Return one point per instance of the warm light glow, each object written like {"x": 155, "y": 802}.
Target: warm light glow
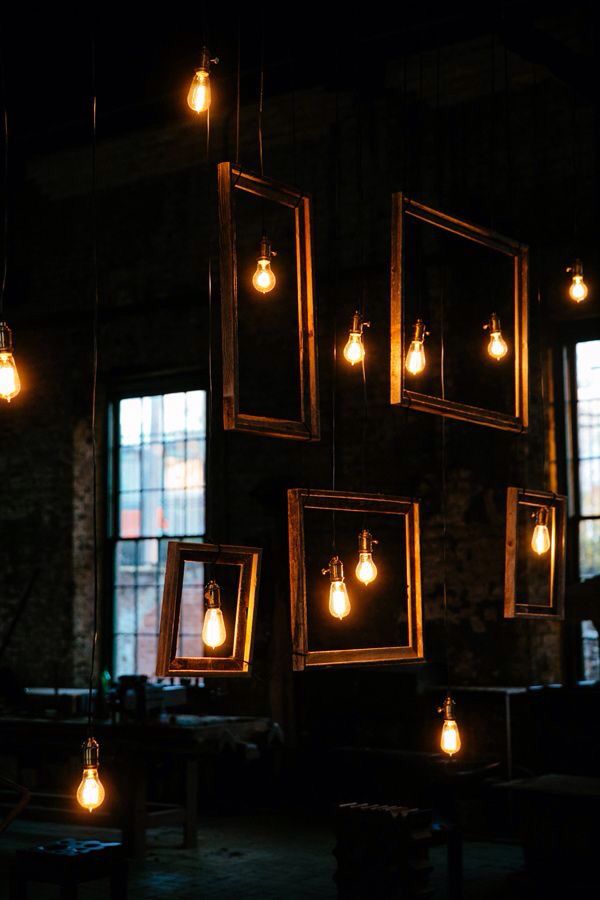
{"x": 90, "y": 793}
{"x": 264, "y": 278}
{"x": 10, "y": 384}
{"x": 213, "y": 630}
{"x": 497, "y": 347}
{"x": 578, "y": 289}
{"x": 540, "y": 542}
{"x": 354, "y": 351}
{"x": 339, "y": 602}
{"x": 415, "y": 358}
{"x": 199, "y": 94}
{"x": 366, "y": 570}
{"x": 450, "y": 739}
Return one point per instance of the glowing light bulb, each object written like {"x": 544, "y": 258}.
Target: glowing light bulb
{"x": 578, "y": 289}
{"x": 366, "y": 570}
{"x": 90, "y": 793}
{"x": 10, "y": 383}
{"x": 450, "y": 741}
{"x": 199, "y": 93}
{"x": 497, "y": 347}
{"x": 415, "y": 358}
{"x": 354, "y": 351}
{"x": 213, "y": 629}
{"x": 540, "y": 541}
{"x": 264, "y": 279}
{"x": 339, "y": 601}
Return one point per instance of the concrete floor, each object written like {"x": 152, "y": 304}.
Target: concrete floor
{"x": 266, "y": 856}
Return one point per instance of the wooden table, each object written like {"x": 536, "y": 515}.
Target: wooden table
{"x": 128, "y": 752}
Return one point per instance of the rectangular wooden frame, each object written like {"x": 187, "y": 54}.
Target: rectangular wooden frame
{"x": 300, "y": 499}
{"x": 307, "y": 428}
{"x": 239, "y": 663}
{"x": 513, "y": 609}
{"x": 400, "y": 394}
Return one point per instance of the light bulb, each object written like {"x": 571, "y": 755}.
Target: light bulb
{"x": 366, "y": 570}
{"x": 415, "y": 358}
{"x": 213, "y": 629}
{"x": 10, "y": 383}
{"x": 450, "y": 737}
{"x": 354, "y": 351}
{"x": 339, "y": 601}
{"x": 90, "y": 793}
{"x": 497, "y": 347}
{"x": 264, "y": 279}
{"x": 540, "y": 541}
{"x": 199, "y": 93}
{"x": 578, "y": 289}
{"x": 450, "y": 740}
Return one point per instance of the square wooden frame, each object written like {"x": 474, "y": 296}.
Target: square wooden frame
{"x": 239, "y": 663}
{"x": 307, "y": 428}
{"x": 300, "y": 499}
{"x": 400, "y": 394}
{"x": 557, "y": 504}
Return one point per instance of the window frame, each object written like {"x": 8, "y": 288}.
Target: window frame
{"x": 122, "y": 389}
{"x": 568, "y": 335}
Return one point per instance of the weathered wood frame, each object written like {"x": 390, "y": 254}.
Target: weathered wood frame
{"x": 300, "y": 499}
{"x": 307, "y": 428}
{"x": 400, "y": 394}
{"x": 556, "y": 503}
{"x": 247, "y": 559}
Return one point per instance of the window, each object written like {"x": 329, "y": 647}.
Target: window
{"x": 590, "y": 651}
{"x": 158, "y": 494}
{"x": 582, "y": 393}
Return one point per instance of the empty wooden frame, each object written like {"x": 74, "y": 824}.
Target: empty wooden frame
{"x": 232, "y": 180}
{"x": 405, "y": 585}
{"x": 247, "y": 561}
{"x": 403, "y": 386}
{"x": 534, "y": 585}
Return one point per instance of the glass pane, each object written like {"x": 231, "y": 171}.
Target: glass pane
{"x": 152, "y": 418}
{"x": 175, "y": 465}
{"x": 152, "y": 513}
{"x": 174, "y": 512}
{"x": 125, "y": 613}
{"x": 152, "y": 462}
{"x": 175, "y": 415}
{"x": 196, "y": 413}
{"x": 125, "y": 563}
{"x": 124, "y": 655}
{"x": 195, "y": 512}
{"x": 129, "y": 469}
{"x": 130, "y": 421}
{"x": 130, "y": 517}
{"x": 195, "y": 464}
{"x": 588, "y": 428}
{"x": 588, "y": 370}
{"x": 589, "y": 487}
{"x": 589, "y": 548}
{"x": 146, "y": 655}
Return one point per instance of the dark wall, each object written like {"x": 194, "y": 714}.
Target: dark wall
{"x": 428, "y": 125}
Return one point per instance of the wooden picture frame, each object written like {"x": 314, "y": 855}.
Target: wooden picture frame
{"x": 307, "y": 428}
{"x": 300, "y": 500}
{"x": 401, "y": 393}
{"x": 515, "y": 608}
{"x": 247, "y": 559}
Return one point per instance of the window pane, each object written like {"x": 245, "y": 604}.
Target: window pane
{"x": 161, "y": 492}
{"x": 588, "y": 370}
{"x": 589, "y": 487}
{"x": 588, "y": 428}
{"x": 589, "y": 548}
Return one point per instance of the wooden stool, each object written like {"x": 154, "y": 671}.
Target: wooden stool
{"x": 69, "y": 863}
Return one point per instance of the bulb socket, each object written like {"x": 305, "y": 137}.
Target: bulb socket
{"x": 493, "y": 324}
{"x": 419, "y": 331}
{"x": 6, "y": 338}
{"x": 542, "y": 515}
{"x": 358, "y": 324}
{"x": 447, "y": 708}
{"x": 366, "y": 541}
{"x": 576, "y": 268}
{"x": 335, "y": 569}
{"x": 90, "y": 751}
{"x": 212, "y": 595}
{"x": 206, "y": 61}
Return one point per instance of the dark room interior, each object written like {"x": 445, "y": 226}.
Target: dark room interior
{"x": 300, "y": 452}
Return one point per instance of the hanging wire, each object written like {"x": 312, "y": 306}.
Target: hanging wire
{"x": 261, "y": 101}
{"x": 508, "y": 135}
{"x": 492, "y": 136}
{"x": 336, "y": 263}
{"x": 238, "y": 88}
{"x": 5, "y": 183}
{"x": 94, "y": 389}
{"x": 444, "y": 489}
